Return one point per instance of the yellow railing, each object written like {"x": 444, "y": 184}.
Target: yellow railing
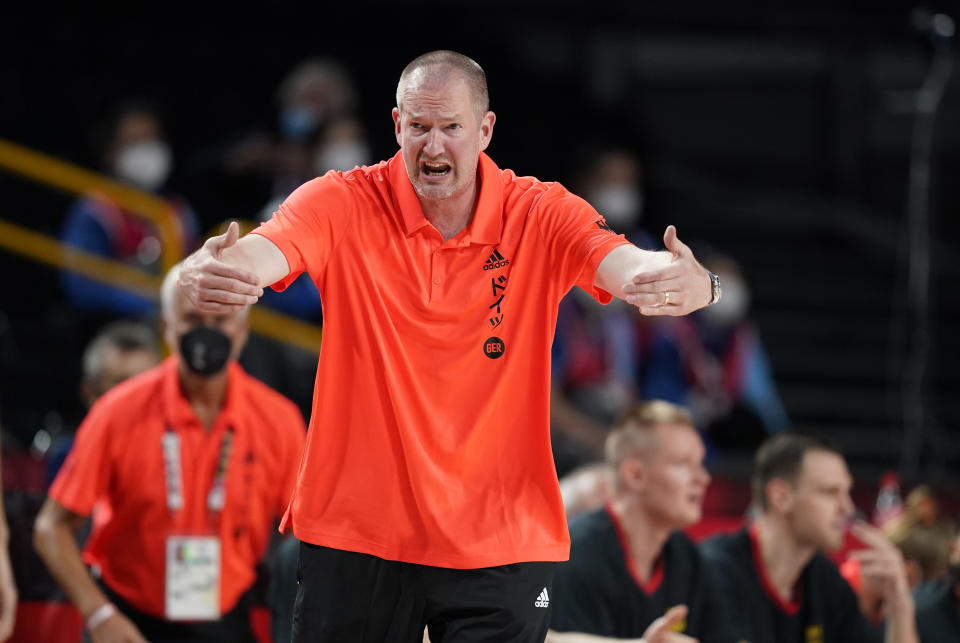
{"x": 77, "y": 180}
{"x": 48, "y": 250}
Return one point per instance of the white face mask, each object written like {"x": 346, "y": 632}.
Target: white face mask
{"x": 620, "y": 204}
{"x": 146, "y": 163}
{"x": 343, "y": 156}
{"x": 299, "y": 122}
{"x": 733, "y": 304}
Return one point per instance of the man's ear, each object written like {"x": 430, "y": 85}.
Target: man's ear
{"x": 633, "y": 473}
{"x": 486, "y": 129}
{"x": 780, "y": 495}
{"x": 396, "y": 124}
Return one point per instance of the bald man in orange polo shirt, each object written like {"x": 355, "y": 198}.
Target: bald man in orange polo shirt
{"x": 427, "y": 493}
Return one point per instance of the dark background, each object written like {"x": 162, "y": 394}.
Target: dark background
{"x": 777, "y": 132}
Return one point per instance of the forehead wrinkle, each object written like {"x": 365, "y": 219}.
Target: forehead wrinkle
{"x": 439, "y": 89}
{"x": 416, "y": 100}
{"x": 418, "y": 113}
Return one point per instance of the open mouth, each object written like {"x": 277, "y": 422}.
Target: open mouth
{"x": 434, "y": 169}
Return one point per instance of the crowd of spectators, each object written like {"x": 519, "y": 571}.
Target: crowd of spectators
{"x": 633, "y": 400}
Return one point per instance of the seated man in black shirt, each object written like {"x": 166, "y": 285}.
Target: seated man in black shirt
{"x": 777, "y": 585}
{"x": 631, "y": 573}
{"x": 938, "y": 604}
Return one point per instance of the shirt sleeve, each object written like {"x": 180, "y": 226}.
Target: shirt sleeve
{"x": 85, "y": 474}
{"x": 577, "y": 239}
{"x": 308, "y": 224}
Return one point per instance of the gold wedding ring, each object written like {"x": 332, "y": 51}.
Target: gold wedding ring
{"x": 666, "y": 297}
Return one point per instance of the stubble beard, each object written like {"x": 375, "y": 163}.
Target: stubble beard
{"x": 433, "y": 191}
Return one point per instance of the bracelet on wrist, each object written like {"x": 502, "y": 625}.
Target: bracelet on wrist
{"x": 100, "y": 615}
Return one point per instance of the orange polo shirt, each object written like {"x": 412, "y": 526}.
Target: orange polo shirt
{"x": 117, "y": 463}
{"x": 429, "y": 440}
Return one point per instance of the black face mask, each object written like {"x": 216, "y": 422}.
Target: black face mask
{"x": 205, "y": 350}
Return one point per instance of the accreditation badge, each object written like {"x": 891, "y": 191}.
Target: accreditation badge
{"x": 193, "y": 578}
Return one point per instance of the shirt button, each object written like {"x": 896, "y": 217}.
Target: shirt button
{"x": 436, "y": 280}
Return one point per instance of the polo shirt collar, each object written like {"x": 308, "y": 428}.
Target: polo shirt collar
{"x": 177, "y": 410}
{"x": 487, "y": 223}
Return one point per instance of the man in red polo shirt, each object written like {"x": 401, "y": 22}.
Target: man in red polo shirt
{"x": 185, "y": 468}
{"x": 427, "y": 493}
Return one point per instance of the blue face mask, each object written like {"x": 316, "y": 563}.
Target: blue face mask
{"x": 297, "y": 122}
{"x": 205, "y": 350}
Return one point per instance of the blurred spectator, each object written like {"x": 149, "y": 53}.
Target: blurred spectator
{"x": 632, "y": 573}
{"x": 597, "y": 354}
{"x": 186, "y": 468}
{"x": 714, "y": 363}
{"x": 938, "y": 603}
{"x": 134, "y": 150}
{"x": 778, "y": 585}
{"x": 596, "y": 362}
{"x": 923, "y": 536}
{"x": 8, "y": 591}
{"x": 119, "y": 351}
{"x": 318, "y": 132}
{"x": 613, "y": 184}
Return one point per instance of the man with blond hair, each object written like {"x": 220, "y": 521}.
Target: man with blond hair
{"x": 427, "y": 494}
{"x": 632, "y": 572}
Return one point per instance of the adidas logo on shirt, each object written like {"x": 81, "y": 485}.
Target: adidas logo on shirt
{"x": 496, "y": 260}
{"x": 543, "y": 600}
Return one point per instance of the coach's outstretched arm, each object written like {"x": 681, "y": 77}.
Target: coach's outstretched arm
{"x": 229, "y": 273}
{"x": 670, "y": 282}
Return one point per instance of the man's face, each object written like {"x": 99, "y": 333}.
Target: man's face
{"x": 675, "y": 481}
{"x": 820, "y": 507}
{"x": 186, "y": 316}
{"x": 440, "y": 135}
{"x": 117, "y": 365}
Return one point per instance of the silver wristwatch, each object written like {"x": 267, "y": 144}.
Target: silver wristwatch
{"x": 715, "y": 284}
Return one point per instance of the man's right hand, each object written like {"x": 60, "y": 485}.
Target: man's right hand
{"x": 117, "y": 629}
{"x": 662, "y": 629}
{"x": 214, "y": 284}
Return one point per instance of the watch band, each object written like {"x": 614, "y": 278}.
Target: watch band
{"x": 715, "y": 286}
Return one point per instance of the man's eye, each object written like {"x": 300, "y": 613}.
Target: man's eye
{"x": 453, "y": 126}
{"x": 416, "y": 125}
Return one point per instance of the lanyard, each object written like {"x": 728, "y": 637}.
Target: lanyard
{"x": 173, "y": 472}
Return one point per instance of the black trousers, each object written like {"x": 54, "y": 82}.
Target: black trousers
{"x": 234, "y": 626}
{"x": 358, "y": 598}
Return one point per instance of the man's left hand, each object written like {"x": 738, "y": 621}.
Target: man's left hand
{"x": 680, "y": 287}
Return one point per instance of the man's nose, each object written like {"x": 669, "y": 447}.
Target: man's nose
{"x": 434, "y": 145}
{"x": 848, "y": 507}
